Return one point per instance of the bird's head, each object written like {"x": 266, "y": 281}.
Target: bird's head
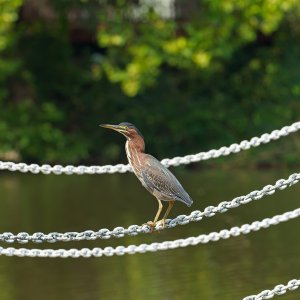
{"x": 127, "y": 129}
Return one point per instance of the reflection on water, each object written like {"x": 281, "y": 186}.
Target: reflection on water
{"x": 228, "y": 269}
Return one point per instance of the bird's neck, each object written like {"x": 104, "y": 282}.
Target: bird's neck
{"x": 134, "y": 148}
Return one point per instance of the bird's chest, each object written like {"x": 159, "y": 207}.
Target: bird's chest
{"x": 134, "y": 159}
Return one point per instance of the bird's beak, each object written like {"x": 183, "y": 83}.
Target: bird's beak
{"x": 114, "y": 127}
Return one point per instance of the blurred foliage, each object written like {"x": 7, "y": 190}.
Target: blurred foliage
{"x": 217, "y": 73}
{"x": 8, "y": 16}
{"x": 138, "y": 48}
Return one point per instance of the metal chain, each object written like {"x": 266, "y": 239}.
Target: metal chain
{"x": 195, "y": 216}
{"x": 176, "y": 161}
{"x": 278, "y": 290}
{"x": 153, "y": 247}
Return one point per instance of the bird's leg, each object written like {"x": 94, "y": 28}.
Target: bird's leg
{"x": 152, "y": 224}
{"x": 171, "y": 203}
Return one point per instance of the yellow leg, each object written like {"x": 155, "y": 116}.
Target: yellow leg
{"x": 160, "y": 207}
{"x": 171, "y": 203}
{"x": 152, "y": 224}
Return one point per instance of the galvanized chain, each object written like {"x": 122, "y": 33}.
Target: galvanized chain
{"x": 195, "y": 216}
{"x": 278, "y": 290}
{"x": 153, "y": 247}
{"x": 176, "y": 161}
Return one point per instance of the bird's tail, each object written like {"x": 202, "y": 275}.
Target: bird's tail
{"x": 186, "y": 199}
{"x": 189, "y": 202}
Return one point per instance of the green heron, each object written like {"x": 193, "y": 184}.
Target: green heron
{"x": 153, "y": 175}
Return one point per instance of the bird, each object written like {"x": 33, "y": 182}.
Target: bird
{"x": 153, "y": 175}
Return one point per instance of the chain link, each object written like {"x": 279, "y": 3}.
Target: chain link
{"x": 153, "y": 247}
{"x": 118, "y": 232}
{"x": 278, "y": 290}
{"x": 176, "y": 161}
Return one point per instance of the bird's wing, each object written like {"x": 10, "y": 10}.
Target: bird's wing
{"x": 157, "y": 177}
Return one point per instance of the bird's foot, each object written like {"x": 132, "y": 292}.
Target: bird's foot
{"x": 152, "y": 225}
{"x": 163, "y": 223}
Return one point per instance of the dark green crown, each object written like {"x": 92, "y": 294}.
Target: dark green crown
{"x": 129, "y": 125}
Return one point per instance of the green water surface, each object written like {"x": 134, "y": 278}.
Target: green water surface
{"x": 226, "y": 270}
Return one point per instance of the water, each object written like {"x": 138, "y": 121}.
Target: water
{"x": 229, "y": 269}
